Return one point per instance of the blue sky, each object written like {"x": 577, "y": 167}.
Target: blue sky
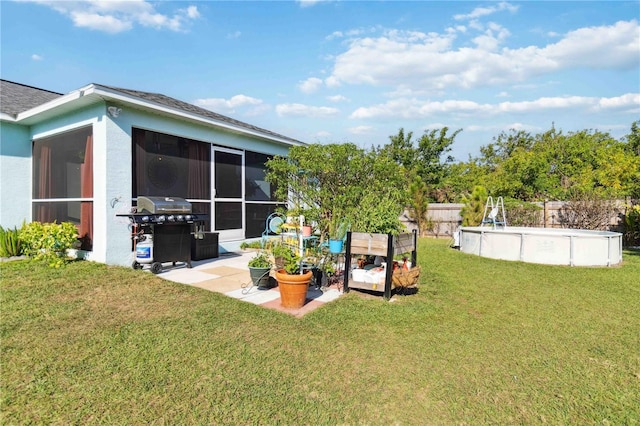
{"x": 347, "y": 71}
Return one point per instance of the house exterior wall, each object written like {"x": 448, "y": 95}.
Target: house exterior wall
{"x": 112, "y": 166}
{"x": 163, "y": 124}
{"x": 113, "y": 160}
{"x": 15, "y": 175}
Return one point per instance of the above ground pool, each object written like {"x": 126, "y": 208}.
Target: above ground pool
{"x": 574, "y": 247}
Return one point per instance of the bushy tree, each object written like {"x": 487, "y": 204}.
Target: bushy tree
{"x": 427, "y": 158}
{"x": 342, "y": 182}
{"x": 554, "y": 165}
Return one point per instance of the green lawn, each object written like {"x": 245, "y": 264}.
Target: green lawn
{"x": 483, "y": 342}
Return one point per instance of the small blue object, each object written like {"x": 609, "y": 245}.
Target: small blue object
{"x": 335, "y": 246}
{"x": 275, "y": 223}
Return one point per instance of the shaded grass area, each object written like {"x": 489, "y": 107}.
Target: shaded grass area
{"x": 483, "y": 341}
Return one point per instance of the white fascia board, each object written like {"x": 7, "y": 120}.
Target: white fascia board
{"x": 62, "y": 100}
{"x": 7, "y": 117}
{"x": 107, "y": 94}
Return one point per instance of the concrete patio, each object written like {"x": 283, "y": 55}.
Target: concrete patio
{"x": 229, "y": 275}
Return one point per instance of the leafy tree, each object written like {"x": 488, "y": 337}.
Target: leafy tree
{"x": 461, "y": 179}
{"x": 401, "y": 150}
{"x": 558, "y": 166}
{"x": 503, "y": 147}
{"x": 428, "y": 158}
{"x": 432, "y": 155}
{"x": 338, "y": 182}
{"x": 633, "y": 138}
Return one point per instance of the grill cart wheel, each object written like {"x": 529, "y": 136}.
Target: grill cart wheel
{"x": 136, "y": 265}
{"x": 156, "y": 267}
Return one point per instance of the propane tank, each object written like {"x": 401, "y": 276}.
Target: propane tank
{"x": 144, "y": 249}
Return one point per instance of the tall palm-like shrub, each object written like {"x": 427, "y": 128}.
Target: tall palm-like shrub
{"x": 474, "y": 204}
{"x": 419, "y": 205}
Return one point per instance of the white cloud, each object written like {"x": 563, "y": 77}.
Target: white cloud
{"x": 322, "y": 134}
{"x": 231, "y": 105}
{"x": 613, "y": 46}
{"x": 485, "y": 11}
{"x": 310, "y": 85}
{"x": 337, "y": 98}
{"x": 300, "y": 110}
{"x": 355, "y": 32}
{"x": 234, "y": 35}
{"x": 497, "y": 128}
{"x": 360, "y": 130}
{"x": 192, "y": 12}
{"x": 36, "y": 57}
{"x": 309, "y": 3}
{"x": 120, "y": 15}
{"x": 427, "y": 61}
{"x": 413, "y": 108}
{"x": 629, "y": 102}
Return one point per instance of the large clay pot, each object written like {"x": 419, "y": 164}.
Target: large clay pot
{"x": 293, "y": 288}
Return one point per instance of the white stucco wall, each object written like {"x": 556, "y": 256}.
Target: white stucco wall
{"x": 15, "y": 175}
{"x": 112, "y": 189}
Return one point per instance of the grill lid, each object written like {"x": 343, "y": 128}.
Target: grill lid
{"x": 163, "y": 205}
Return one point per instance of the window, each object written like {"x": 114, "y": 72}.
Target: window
{"x": 170, "y": 166}
{"x": 63, "y": 181}
{"x": 260, "y": 199}
{"x": 257, "y": 188}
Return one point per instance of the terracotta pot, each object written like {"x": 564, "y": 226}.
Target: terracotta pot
{"x": 306, "y": 231}
{"x": 293, "y": 288}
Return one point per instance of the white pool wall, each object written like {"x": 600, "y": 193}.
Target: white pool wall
{"x": 551, "y": 246}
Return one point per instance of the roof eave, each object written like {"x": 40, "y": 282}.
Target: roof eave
{"x": 7, "y": 117}
{"x": 95, "y": 92}
{"x": 114, "y": 95}
{"x": 48, "y": 106}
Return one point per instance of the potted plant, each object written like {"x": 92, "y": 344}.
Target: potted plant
{"x": 292, "y": 282}
{"x": 337, "y": 233}
{"x": 259, "y": 268}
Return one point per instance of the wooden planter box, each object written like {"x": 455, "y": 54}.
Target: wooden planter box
{"x": 386, "y": 245}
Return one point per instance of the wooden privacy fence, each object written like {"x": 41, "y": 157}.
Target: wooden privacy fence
{"x": 446, "y": 217}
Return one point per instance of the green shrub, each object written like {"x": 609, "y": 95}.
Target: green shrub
{"x": 632, "y": 226}
{"x": 49, "y": 241}
{"x": 10, "y": 244}
{"x": 286, "y": 258}
{"x": 522, "y": 213}
{"x": 260, "y": 260}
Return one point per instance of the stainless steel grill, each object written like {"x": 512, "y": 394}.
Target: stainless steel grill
{"x": 163, "y": 205}
{"x": 163, "y": 229}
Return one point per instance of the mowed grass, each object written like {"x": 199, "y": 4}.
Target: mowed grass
{"x": 482, "y": 342}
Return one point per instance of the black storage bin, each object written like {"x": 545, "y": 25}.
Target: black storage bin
{"x": 205, "y": 248}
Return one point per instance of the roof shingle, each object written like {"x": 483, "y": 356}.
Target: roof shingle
{"x": 16, "y": 98}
